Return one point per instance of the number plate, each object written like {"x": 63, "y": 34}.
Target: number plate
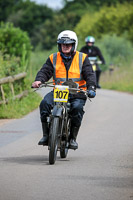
{"x": 61, "y": 93}
{"x": 94, "y": 67}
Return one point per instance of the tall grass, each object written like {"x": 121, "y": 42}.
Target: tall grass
{"x": 120, "y": 79}
{"x": 118, "y": 53}
{"x": 116, "y": 50}
{"x": 37, "y": 61}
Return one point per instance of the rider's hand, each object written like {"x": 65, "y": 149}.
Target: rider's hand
{"x": 91, "y": 92}
{"x": 36, "y": 84}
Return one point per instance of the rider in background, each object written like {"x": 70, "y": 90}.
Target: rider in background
{"x": 66, "y": 64}
{"x": 93, "y": 51}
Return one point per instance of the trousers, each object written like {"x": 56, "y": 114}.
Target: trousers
{"x": 98, "y": 73}
{"x": 76, "y": 109}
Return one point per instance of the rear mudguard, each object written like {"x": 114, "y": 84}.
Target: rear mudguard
{"x": 57, "y": 111}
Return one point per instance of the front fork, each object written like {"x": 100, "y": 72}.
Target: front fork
{"x": 64, "y": 129}
{"x": 60, "y": 113}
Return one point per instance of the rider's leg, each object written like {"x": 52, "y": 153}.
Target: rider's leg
{"x": 98, "y": 74}
{"x": 73, "y": 136}
{"x": 77, "y": 113}
{"x": 44, "y": 139}
{"x": 45, "y": 109}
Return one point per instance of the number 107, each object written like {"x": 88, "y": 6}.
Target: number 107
{"x": 61, "y": 94}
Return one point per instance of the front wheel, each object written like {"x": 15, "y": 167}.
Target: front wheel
{"x": 53, "y": 140}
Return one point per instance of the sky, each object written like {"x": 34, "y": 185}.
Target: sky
{"x": 54, "y": 4}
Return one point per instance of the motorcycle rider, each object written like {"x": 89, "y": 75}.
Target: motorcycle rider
{"x": 93, "y": 51}
{"x": 66, "y": 64}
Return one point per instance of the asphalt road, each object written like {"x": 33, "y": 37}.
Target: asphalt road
{"x": 101, "y": 169}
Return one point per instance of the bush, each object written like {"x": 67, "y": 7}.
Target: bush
{"x": 14, "y": 56}
{"x": 116, "y": 50}
{"x": 14, "y": 43}
{"x": 9, "y": 65}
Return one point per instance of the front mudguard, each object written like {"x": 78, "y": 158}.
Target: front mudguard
{"x": 57, "y": 111}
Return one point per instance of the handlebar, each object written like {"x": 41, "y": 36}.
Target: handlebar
{"x": 71, "y": 89}
{"x": 95, "y": 62}
{"x": 47, "y": 84}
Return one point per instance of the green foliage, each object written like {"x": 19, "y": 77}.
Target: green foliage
{"x": 38, "y": 58}
{"x": 7, "y": 7}
{"x": 13, "y": 40}
{"x": 79, "y": 7}
{"x": 43, "y": 24}
{"x": 116, "y": 50}
{"x": 9, "y": 65}
{"x": 120, "y": 79}
{"x": 45, "y": 36}
{"x": 15, "y": 48}
{"x": 19, "y": 108}
{"x": 29, "y": 15}
{"x": 14, "y": 56}
{"x": 108, "y": 20}
{"x": 68, "y": 4}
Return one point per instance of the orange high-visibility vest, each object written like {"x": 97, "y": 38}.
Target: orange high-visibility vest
{"x": 74, "y": 71}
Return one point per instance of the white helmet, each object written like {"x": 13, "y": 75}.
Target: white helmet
{"x": 67, "y": 37}
{"x": 90, "y": 39}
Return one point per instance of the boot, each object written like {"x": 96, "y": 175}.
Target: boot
{"x": 44, "y": 140}
{"x": 73, "y": 135}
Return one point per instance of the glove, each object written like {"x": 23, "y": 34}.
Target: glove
{"x": 91, "y": 92}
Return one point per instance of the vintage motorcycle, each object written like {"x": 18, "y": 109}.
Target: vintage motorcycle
{"x": 94, "y": 62}
{"x": 59, "y": 121}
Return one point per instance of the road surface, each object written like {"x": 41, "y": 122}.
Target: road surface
{"x": 101, "y": 169}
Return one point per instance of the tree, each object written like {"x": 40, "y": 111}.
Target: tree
{"x": 29, "y": 15}
{"x": 46, "y": 34}
{"x": 109, "y": 20}
{"x": 97, "y": 3}
{"x": 7, "y": 7}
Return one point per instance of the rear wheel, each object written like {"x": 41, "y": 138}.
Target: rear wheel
{"x": 64, "y": 150}
{"x": 53, "y": 140}
{"x": 64, "y": 143}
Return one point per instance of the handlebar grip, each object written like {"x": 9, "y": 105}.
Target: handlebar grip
{"x": 99, "y": 62}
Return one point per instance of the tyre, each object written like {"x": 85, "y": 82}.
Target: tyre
{"x": 63, "y": 150}
{"x": 53, "y": 140}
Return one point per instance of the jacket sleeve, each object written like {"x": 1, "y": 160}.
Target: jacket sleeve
{"x": 100, "y": 55}
{"x": 88, "y": 73}
{"x": 46, "y": 72}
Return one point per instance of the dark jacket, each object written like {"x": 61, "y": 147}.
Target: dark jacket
{"x": 93, "y": 51}
{"x": 46, "y": 72}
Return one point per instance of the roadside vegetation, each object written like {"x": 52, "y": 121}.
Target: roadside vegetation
{"x": 118, "y": 71}
{"x": 14, "y": 59}
{"x": 19, "y": 108}
{"x": 120, "y": 79}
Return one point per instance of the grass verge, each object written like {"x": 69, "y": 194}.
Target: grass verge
{"x": 19, "y": 108}
{"x": 121, "y": 79}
